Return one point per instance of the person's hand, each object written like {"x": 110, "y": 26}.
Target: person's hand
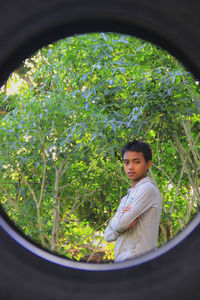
{"x": 127, "y": 208}
{"x": 133, "y": 223}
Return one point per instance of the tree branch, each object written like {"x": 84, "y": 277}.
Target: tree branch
{"x": 12, "y": 202}
{"x": 44, "y": 167}
{"x": 28, "y": 185}
{"x": 67, "y": 185}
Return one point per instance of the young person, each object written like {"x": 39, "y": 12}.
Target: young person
{"x": 135, "y": 225}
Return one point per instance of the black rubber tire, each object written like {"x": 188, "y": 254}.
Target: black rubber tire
{"x": 173, "y": 272}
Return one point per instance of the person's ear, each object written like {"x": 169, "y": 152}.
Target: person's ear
{"x": 149, "y": 164}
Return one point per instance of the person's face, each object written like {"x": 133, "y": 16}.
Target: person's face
{"x": 135, "y": 166}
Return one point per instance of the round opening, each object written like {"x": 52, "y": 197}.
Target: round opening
{"x": 65, "y": 114}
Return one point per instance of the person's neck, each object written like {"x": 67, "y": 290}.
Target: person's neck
{"x": 136, "y": 181}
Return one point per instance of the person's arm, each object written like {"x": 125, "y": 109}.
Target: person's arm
{"x": 129, "y": 216}
{"x": 133, "y": 223}
{"x": 110, "y": 235}
{"x": 128, "y": 208}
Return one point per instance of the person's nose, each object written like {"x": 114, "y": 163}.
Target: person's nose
{"x": 131, "y": 166}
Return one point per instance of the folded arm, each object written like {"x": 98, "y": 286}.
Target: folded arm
{"x": 129, "y": 215}
{"x": 110, "y": 234}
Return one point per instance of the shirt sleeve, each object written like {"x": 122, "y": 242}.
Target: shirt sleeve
{"x": 143, "y": 200}
{"x": 110, "y": 234}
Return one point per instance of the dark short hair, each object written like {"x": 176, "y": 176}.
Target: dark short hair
{"x": 138, "y": 146}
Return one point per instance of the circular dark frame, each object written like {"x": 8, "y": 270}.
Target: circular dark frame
{"x": 27, "y": 270}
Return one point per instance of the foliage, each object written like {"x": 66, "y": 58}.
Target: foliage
{"x": 76, "y": 103}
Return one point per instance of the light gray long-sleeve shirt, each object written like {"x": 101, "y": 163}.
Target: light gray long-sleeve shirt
{"x": 144, "y": 199}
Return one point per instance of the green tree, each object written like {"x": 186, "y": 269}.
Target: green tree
{"x": 79, "y": 100}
